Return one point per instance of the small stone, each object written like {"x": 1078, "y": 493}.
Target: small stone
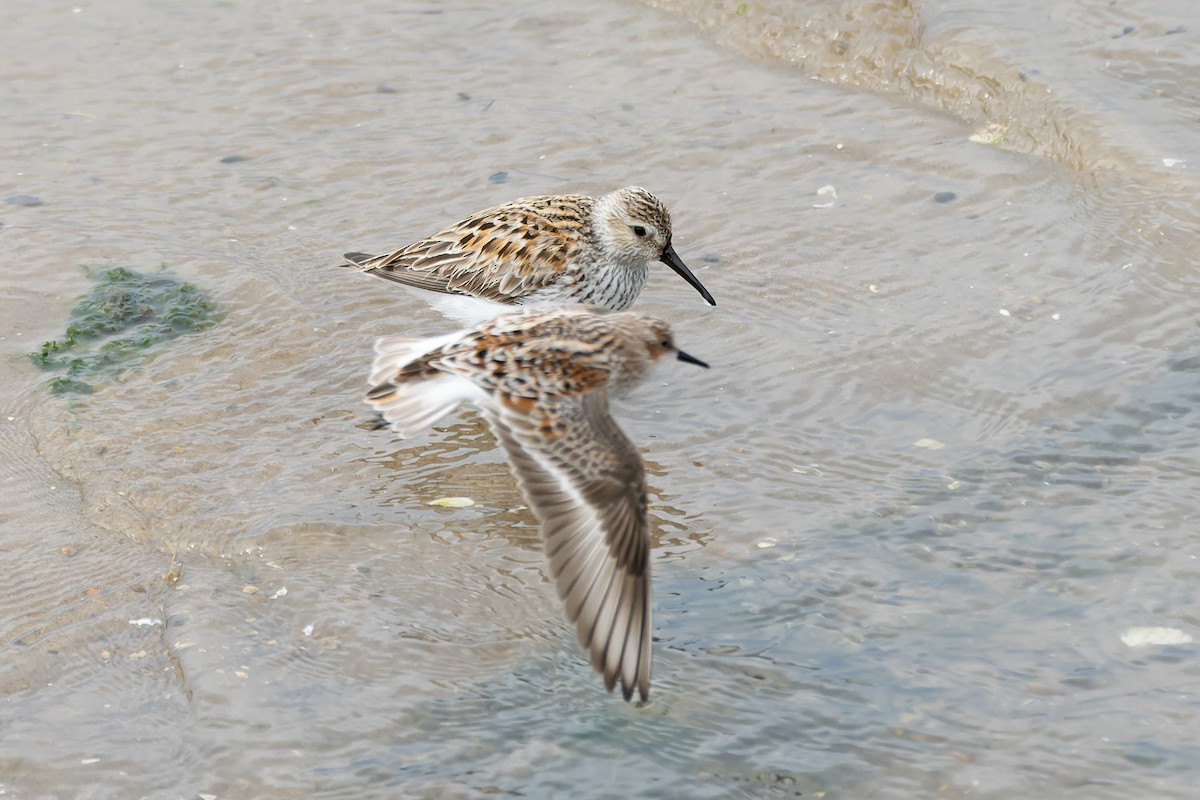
{"x": 26, "y": 200}
{"x": 498, "y": 177}
{"x": 67, "y": 550}
{"x": 945, "y": 197}
{"x": 249, "y": 589}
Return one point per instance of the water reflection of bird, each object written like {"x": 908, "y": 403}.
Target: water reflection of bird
{"x": 554, "y": 250}
{"x": 542, "y": 380}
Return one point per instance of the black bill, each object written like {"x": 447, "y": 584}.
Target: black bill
{"x": 682, "y": 356}
{"x": 672, "y": 260}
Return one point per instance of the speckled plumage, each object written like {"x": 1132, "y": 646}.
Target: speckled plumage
{"x": 540, "y": 250}
{"x": 541, "y": 379}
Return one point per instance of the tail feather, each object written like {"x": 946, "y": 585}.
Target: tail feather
{"x": 357, "y": 261}
{"x": 413, "y": 406}
{"x": 394, "y": 353}
{"x": 413, "y": 399}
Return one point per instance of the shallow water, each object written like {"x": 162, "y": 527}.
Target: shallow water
{"x": 946, "y": 457}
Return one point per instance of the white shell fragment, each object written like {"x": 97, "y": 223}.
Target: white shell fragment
{"x": 452, "y": 502}
{"x": 993, "y": 133}
{"x": 1146, "y": 637}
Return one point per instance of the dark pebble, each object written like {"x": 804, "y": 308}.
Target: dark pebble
{"x": 385, "y": 89}
{"x": 945, "y": 197}
{"x": 232, "y": 159}
{"x": 24, "y": 200}
{"x": 498, "y": 177}
{"x": 1173, "y": 31}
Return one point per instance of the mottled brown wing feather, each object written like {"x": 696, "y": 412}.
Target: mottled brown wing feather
{"x": 515, "y": 355}
{"x": 586, "y": 484}
{"x": 499, "y": 254}
{"x": 430, "y": 281}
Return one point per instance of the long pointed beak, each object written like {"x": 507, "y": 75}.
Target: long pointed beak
{"x": 672, "y": 260}
{"x": 682, "y": 356}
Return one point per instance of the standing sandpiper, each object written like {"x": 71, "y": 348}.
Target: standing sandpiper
{"x": 538, "y": 250}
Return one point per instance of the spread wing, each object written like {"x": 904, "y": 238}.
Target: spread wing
{"x": 500, "y": 254}
{"x": 585, "y": 481}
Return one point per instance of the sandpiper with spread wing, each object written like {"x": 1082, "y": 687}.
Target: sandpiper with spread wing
{"x": 542, "y": 379}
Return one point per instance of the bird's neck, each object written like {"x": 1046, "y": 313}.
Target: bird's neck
{"x": 612, "y": 284}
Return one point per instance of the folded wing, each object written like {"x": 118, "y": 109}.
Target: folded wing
{"x": 500, "y": 254}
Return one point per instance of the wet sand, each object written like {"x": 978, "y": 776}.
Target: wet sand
{"x": 946, "y": 456}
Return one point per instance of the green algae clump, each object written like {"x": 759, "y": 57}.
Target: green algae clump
{"x": 115, "y": 323}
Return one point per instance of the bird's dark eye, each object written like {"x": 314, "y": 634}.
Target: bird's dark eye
{"x": 666, "y": 343}
{"x": 639, "y": 231}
